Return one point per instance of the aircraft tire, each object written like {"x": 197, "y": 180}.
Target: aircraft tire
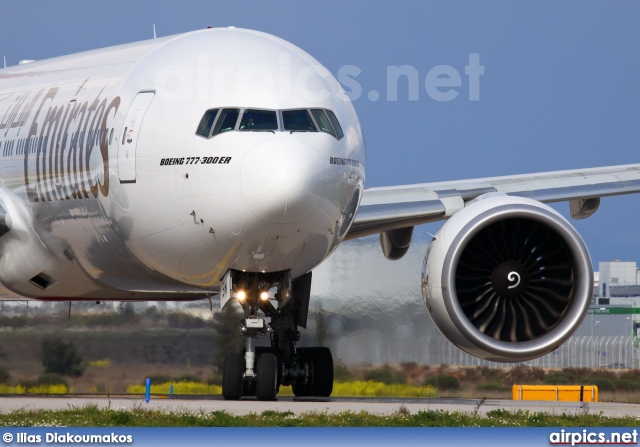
{"x": 232, "y": 372}
{"x": 267, "y": 377}
{"x": 321, "y": 368}
{"x": 322, "y": 384}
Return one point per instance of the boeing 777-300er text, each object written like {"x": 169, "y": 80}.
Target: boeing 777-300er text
{"x": 228, "y": 161}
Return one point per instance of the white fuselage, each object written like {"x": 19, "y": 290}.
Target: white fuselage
{"x": 111, "y": 194}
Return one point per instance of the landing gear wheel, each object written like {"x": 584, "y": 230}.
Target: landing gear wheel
{"x": 322, "y": 372}
{"x": 267, "y": 377}
{"x": 302, "y": 389}
{"x": 234, "y": 367}
{"x": 320, "y": 382}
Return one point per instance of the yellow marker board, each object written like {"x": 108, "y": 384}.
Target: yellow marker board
{"x": 567, "y": 393}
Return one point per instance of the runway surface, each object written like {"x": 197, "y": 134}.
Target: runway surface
{"x": 333, "y": 405}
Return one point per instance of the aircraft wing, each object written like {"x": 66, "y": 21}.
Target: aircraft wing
{"x": 395, "y": 207}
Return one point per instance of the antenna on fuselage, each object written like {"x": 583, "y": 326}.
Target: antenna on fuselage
{"x": 5, "y": 61}
{"x": 154, "y": 31}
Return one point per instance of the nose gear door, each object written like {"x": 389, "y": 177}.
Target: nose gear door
{"x": 128, "y": 143}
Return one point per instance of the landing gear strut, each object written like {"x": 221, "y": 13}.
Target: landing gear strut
{"x": 259, "y": 371}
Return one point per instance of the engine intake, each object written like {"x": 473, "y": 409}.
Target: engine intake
{"x": 507, "y": 279}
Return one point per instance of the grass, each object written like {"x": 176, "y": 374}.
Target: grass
{"x": 369, "y": 388}
{"x": 178, "y": 388}
{"x": 37, "y": 389}
{"x": 357, "y": 388}
{"x": 93, "y": 416}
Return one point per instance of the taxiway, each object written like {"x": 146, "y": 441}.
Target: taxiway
{"x": 298, "y": 406}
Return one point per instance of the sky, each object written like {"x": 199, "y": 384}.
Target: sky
{"x": 560, "y": 88}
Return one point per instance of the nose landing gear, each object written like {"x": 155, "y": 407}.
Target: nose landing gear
{"x": 259, "y": 371}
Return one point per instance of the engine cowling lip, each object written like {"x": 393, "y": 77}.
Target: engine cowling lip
{"x": 575, "y": 314}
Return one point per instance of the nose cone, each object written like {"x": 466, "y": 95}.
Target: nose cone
{"x": 282, "y": 180}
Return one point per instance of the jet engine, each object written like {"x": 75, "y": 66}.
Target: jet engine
{"x": 507, "y": 279}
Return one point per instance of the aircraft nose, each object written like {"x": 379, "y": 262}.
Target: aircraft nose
{"x": 282, "y": 180}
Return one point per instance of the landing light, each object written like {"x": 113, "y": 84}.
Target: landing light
{"x": 264, "y": 296}
{"x": 241, "y": 295}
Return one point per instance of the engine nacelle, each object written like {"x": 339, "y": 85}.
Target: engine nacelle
{"x": 507, "y": 279}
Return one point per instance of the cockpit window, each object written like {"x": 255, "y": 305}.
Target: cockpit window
{"x": 323, "y": 121}
{"x": 226, "y": 121}
{"x": 206, "y": 123}
{"x": 298, "y": 120}
{"x": 335, "y": 123}
{"x": 259, "y": 120}
{"x": 217, "y": 121}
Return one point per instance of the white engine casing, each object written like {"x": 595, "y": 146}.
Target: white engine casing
{"x": 528, "y": 311}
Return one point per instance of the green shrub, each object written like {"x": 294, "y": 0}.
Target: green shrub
{"x": 480, "y": 374}
{"x": 409, "y": 366}
{"x": 631, "y": 374}
{"x": 33, "y": 388}
{"x": 524, "y": 374}
{"x": 214, "y": 380}
{"x": 159, "y": 378}
{"x": 152, "y": 314}
{"x": 558, "y": 378}
{"x": 126, "y": 309}
{"x": 187, "y": 378}
{"x": 625, "y": 385}
{"x": 186, "y": 321}
{"x": 4, "y": 375}
{"x": 26, "y": 384}
{"x": 103, "y": 363}
{"x": 581, "y": 375}
{"x": 602, "y": 384}
{"x": 226, "y": 336}
{"x": 341, "y": 373}
{"x": 471, "y": 375}
{"x": 46, "y": 380}
{"x": 488, "y": 373}
{"x": 359, "y": 388}
{"x": 178, "y": 388}
{"x": 13, "y": 322}
{"x": 443, "y": 382}
{"x": 383, "y": 375}
{"x": 61, "y": 358}
{"x": 51, "y": 379}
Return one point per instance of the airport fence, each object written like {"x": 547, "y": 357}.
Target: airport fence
{"x": 614, "y": 352}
